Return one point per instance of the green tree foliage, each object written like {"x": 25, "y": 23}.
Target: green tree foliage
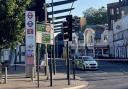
{"x": 12, "y": 14}
{"x": 96, "y": 16}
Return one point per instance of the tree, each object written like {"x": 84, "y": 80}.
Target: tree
{"x": 96, "y": 16}
{"x": 12, "y": 14}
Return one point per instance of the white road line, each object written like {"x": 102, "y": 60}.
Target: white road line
{"x": 77, "y": 87}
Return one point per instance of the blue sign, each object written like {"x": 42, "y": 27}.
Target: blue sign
{"x": 30, "y": 23}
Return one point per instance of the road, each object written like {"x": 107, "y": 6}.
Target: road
{"x": 111, "y": 75}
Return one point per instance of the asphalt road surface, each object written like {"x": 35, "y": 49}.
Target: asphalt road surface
{"x": 111, "y": 75}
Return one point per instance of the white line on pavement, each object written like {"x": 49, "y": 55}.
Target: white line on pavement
{"x": 77, "y": 87}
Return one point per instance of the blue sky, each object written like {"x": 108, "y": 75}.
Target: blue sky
{"x": 81, "y": 5}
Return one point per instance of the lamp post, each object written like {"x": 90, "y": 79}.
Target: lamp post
{"x": 93, "y": 40}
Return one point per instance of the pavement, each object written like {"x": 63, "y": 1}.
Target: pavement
{"x": 18, "y": 81}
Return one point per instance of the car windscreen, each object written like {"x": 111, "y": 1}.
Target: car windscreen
{"x": 88, "y": 59}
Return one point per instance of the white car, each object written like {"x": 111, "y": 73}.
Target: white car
{"x": 86, "y": 62}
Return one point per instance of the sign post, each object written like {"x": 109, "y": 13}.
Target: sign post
{"x": 47, "y": 38}
{"x": 39, "y": 29}
{"x": 30, "y": 43}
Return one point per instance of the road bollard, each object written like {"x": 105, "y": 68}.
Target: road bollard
{"x": 0, "y": 73}
{"x": 5, "y": 80}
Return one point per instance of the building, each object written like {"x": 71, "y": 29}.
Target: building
{"x": 96, "y": 41}
{"x": 77, "y": 45}
{"x": 74, "y": 44}
{"x": 118, "y": 29}
{"x": 81, "y": 44}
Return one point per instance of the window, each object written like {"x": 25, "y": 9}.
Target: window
{"x": 122, "y": 13}
{"x": 73, "y": 41}
{"x": 106, "y": 51}
{"x": 117, "y": 10}
{"x": 112, "y": 11}
{"x": 91, "y": 39}
{"x": 97, "y": 40}
{"x": 105, "y": 37}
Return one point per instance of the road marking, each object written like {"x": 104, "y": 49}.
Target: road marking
{"x": 77, "y": 87}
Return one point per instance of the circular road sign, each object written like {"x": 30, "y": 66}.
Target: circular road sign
{"x": 30, "y": 15}
{"x": 30, "y": 23}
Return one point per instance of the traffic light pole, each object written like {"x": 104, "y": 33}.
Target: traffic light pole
{"x": 51, "y": 67}
{"x": 38, "y": 58}
{"x": 68, "y": 65}
{"x": 73, "y": 64}
{"x": 67, "y": 31}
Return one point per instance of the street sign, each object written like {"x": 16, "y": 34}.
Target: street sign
{"x": 46, "y": 38}
{"x": 30, "y": 45}
{"x": 30, "y": 15}
{"x": 40, "y": 27}
{"x": 44, "y": 35}
{"x": 6, "y": 54}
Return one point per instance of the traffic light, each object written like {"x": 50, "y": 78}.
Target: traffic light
{"x": 38, "y": 7}
{"x": 69, "y": 20}
{"x": 65, "y": 30}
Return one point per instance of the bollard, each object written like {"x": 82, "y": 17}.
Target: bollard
{"x": 33, "y": 74}
{"x": 73, "y": 64}
{"x": 0, "y": 73}
{"x": 5, "y": 80}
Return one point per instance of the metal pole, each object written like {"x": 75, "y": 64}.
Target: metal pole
{"x": 15, "y": 59}
{"x": 54, "y": 61}
{"x": 56, "y": 47}
{"x": 5, "y": 80}
{"x": 50, "y": 69}
{"x": 73, "y": 63}
{"x": 46, "y": 44}
{"x": 0, "y": 68}
{"x": 0, "y": 72}
{"x": 38, "y": 58}
{"x": 47, "y": 68}
{"x": 20, "y": 53}
{"x": 68, "y": 65}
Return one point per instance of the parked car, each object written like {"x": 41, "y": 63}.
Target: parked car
{"x": 86, "y": 62}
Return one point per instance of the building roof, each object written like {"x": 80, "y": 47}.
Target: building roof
{"x": 99, "y": 29}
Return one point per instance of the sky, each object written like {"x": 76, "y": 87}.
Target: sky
{"x": 81, "y": 5}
